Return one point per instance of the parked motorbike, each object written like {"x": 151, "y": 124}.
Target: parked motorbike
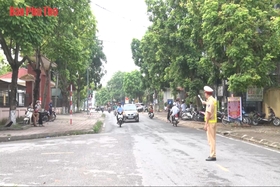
{"x": 189, "y": 114}
{"x": 200, "y": 116}
{"x": 151, "y": 114}
{"x": 220, "y": 116}
{"x": 45, "y": 116}
{"x": 260, "y": 118}
{"x": 53, "y": 117}
{"x": 28, "y": 116}
{"x": 120, "y": 119}
{"x": 244, "y": 120}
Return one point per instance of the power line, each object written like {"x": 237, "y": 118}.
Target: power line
{"x": 116, "y": 14}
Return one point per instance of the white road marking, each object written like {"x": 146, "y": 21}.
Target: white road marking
{"x": 222, "y": 168}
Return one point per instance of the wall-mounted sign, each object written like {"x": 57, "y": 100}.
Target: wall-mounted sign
{"x": 254, "y": 94}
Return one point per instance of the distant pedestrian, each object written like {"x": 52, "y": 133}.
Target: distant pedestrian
{"x": 50, "y": 110}
{"x": 168, "y": 113}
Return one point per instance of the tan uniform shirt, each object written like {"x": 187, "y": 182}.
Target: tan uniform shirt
{"x": 210, "y": 108}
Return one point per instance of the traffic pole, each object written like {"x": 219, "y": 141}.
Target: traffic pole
{"x": 70, "y": 104}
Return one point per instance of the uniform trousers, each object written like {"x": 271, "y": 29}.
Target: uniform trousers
{"x": 211, "y": 137}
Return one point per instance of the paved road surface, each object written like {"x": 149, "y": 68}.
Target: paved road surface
{"x": 150, "y": 152}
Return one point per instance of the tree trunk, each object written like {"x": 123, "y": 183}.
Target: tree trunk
{"x": 36, "y": 91}
{"x": 65, "y": 102}
{"x": 13, "y": 95}
{"x": 46, "y": 88}
{"x": 37, "y": 69}
{"x": 78, "y": 99}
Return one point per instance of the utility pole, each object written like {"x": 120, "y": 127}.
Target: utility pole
{"x": 87, "y": 90}
{"x": 56, "y": 87}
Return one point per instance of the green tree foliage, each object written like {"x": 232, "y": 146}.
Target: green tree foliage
{"x": 102, "y": 96}
{"x": 239, "y": 39}
{"x": 195, "y": 42}
{"x": 19, "y": 35}
{"x": 4, "y": 68}
{"x": 115, "y": 86}
{"x": 132, "y": 84}
{"x": 68, "y": 39}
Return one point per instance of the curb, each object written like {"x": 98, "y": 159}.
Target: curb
{"x": 48, "y": 135}
{"x": 45, "y": 135}
{"x": 244, "y": 137}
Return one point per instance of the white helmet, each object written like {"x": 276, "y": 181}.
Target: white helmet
{"x": 174, "y": 104}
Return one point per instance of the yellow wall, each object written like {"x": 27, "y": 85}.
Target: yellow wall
{"x": 272, "y": 98}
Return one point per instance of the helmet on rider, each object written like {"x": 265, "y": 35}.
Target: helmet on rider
{"x": 183, "y": 100}
{"x": 174, "y": 104}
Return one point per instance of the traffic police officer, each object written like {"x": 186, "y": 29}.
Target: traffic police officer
{"x": 210, "y": 121}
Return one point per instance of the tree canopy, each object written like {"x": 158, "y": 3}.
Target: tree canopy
{"x": 68, "y": 39}
{"x": 197, "y": 42}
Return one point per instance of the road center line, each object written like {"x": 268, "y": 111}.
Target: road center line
{"x": 56, "y": 153}
{"x": 222, "y": 168}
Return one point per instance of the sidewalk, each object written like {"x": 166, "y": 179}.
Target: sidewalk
{"x": 81, "y": 124}
{"x": 265, "y": 135}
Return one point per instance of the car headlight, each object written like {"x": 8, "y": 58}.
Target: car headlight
{"x": 136, "y": 113}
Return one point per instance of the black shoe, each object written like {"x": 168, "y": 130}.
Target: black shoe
{"x": 211, "y": 159}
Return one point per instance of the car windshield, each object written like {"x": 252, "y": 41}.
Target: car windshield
{"x": 129, "y": 107}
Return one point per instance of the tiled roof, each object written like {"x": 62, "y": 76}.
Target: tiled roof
{"x": 21, "y": 72}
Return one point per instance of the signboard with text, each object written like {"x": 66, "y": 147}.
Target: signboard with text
{"x": 234, "y": 108}
{"x": 254, "y": 94}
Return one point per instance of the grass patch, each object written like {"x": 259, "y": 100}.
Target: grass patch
{"x": 103, "y": 115}
{"x": 97, "y": 126}
{"x": 3, "y": 121}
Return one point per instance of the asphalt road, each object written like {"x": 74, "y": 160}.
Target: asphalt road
{"x": 150, "y": 153}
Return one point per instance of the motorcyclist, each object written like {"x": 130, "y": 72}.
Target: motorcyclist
{"x": 151, "y": 109}
{"x": 119, "y": 110}
{"x": 174, "y": 110}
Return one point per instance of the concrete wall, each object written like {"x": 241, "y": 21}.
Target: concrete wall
{"x": 272, "y": 98}
{"x": 4, "y": 112}
{"x": 167, "y": 95}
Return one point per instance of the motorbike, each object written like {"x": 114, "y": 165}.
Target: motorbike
{"x": 244, "y": 120}
{"x": 151, "y": 114}
{"x": 120, "y": 119}
{"x": 45, "y": 115}
{"x": 220, "y": 116}
{"x": 260, "y": 118}
{"x": 175, "y": 120}
{"x": 189, "y": 114}
{"x": 200, "y": 116}
{"x": 53, "y": 117}
{"x": 28, "y": 116}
